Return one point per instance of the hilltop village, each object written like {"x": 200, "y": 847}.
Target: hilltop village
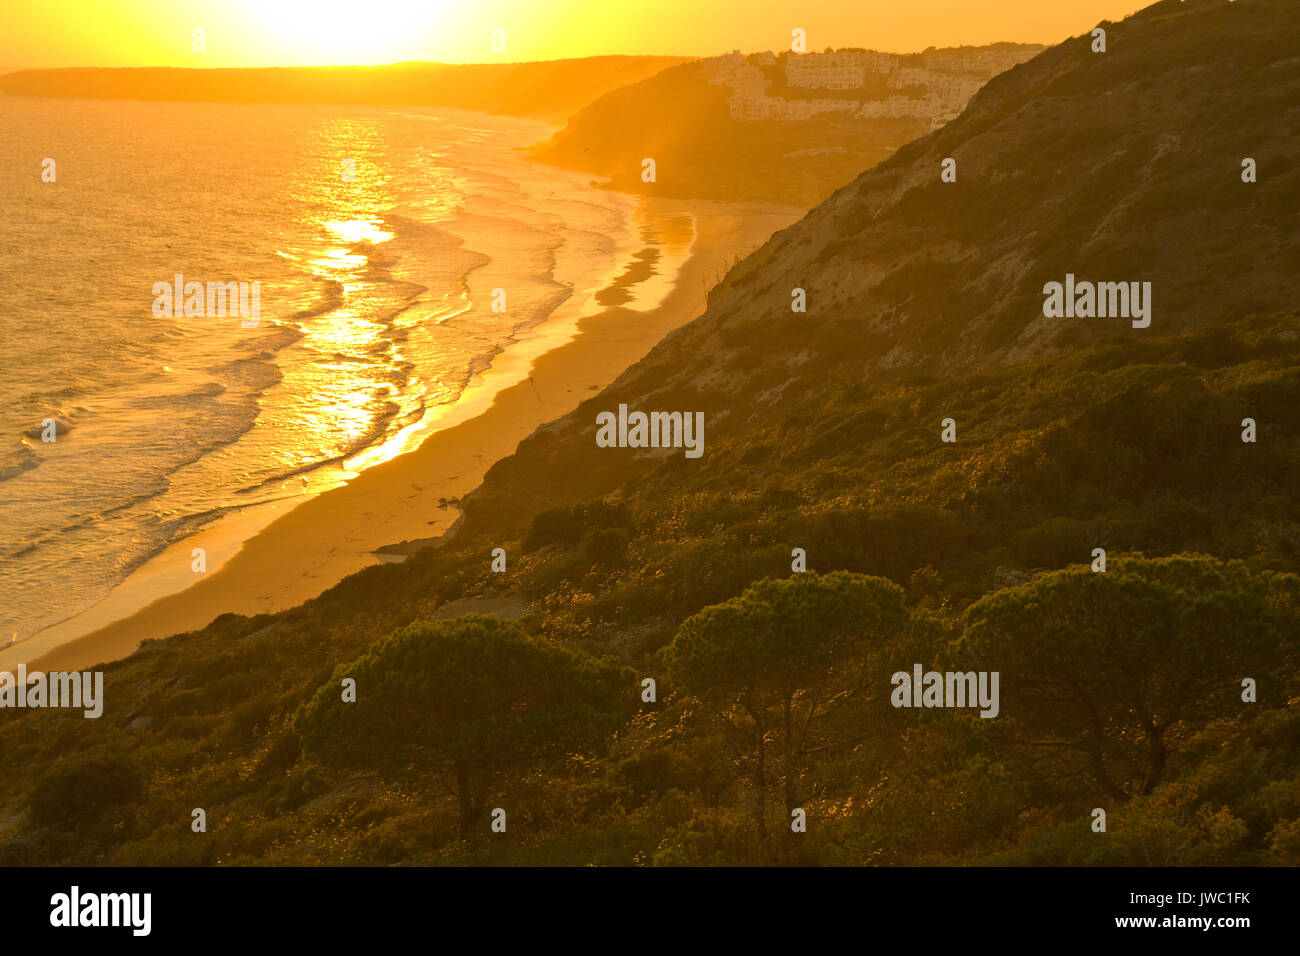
{"x": 859, "y": 84}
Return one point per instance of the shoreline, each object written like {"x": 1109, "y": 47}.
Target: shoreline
{"x": 275, "y": 556}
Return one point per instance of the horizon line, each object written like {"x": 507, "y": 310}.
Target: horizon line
{"x": 9, "y": 70}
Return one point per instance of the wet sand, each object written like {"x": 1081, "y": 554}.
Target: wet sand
{"x": 281, "y": 555}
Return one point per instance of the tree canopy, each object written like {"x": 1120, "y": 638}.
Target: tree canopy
{"x": 473, "y": 695}
{"x": 1122, "y": 664}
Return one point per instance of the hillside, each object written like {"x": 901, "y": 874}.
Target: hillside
{"x": 551, "y": 90}
{"x": 1121, "y": 690}
{"x": 1072, "y": 163}
{"x": 681, "y": 121}
{"x": 785, "y": 127}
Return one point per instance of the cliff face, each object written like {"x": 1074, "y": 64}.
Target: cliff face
{"x": 1122, "y": 166}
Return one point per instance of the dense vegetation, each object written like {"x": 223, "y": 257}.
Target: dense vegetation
{"x": 671, "y": 687}
{"x": 772, "y": 686}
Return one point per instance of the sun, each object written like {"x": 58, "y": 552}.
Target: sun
{"x": 348, "y": 31}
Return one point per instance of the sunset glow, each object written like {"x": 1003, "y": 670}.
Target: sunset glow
{"x": 334, "y": 32}
{"x": 705, "y": 434}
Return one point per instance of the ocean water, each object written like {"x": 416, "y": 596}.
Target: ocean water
{"x": 375, "y": 307}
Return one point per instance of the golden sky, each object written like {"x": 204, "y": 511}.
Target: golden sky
{"x": 46, "y": 33}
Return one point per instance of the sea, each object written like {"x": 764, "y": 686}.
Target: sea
{"x": 380, "y": 239}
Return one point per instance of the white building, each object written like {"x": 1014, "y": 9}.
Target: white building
{"x": 881, "y": 62}
{"x": 985, "y": 63}
{"x": 892, "y": 107}
{"x": 910, "y": 76}
{"x": 726, "y": 69}
{"x": 746, "y": 108}
{"x": 825, "y": 71}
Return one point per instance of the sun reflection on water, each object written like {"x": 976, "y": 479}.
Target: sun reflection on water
{"x": 357, "y": 375}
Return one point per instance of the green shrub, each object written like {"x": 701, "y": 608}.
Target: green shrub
{"x": 80, "y": 790}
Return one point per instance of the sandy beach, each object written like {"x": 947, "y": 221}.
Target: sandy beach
{"x": 280, "y": 555}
